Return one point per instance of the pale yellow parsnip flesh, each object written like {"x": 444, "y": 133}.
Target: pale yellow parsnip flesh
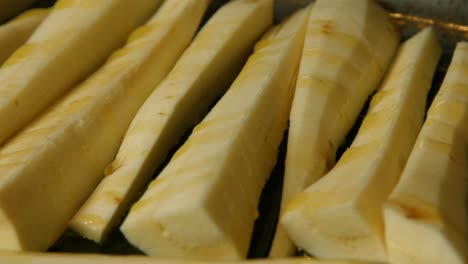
{"x": 49, "y": 168}
{"x": 426, "y": 216}
{"x": 202, "y": 74}
{"x": 15, "y": 33}
{"x": 340, "y": 216}
{"x": 347, "y": 49}
{"x": 204, "y": 203}
{"x": 70, "y": 258}
{"x": 49, "y": 64}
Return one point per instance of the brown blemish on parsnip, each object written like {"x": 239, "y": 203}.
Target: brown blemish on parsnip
{"x": 415, "y": 213}
{"x": 115, "y": 165}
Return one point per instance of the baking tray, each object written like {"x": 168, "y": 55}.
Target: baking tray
{"x": 449, "y": 18}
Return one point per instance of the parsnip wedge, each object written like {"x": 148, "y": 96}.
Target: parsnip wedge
{"x": 340, "y": 216}
{"x": 50, "y": 168}
{"x": 11, "y": 8}
{"x": 203, "y": 205}
{"x": 15, "y": 33}
{"x": 203, "y": 73}
{"x": 70, "y": 44}
{"x": 426, "y": 216}
{"x": 64, "y": 258}
{"x": 348, "y": 47}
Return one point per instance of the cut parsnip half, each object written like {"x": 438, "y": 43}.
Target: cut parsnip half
{"x": 203, "y": 205}
{"x": 67, "y": 258}
{"x": 347, "y": 49}
{"x": 426, "y": 216}
{"x": 50, "y": 168}
{"x": 15, "y": 33}
{"x": 340, "y": 216}
{"x": 202, "y": 74}
{"x": 70, "y": 43}
{"x": 11, "y": 8}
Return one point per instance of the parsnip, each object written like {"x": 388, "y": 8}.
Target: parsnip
{"x": 426, "y": 216}
{"x": 71, "y": 42}
{"x": 15, "y": 33}
{"x": 50, "y": 168}
{"x": 63, "y": 258}
{"x": 11, "y": 8}
{"x": 202, "y": 74}
{"x": 348, "y": 46}
{"x": 204, "y": 203}
{"x": 340, "y": 216}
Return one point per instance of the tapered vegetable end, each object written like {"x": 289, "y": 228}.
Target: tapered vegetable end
{"x": 157, "y": 46}
{"x": 410, "y": 240}
{"x": 216, "y": 194}
{"x": 348, "y": 46}
{"x": 304, "y": 220}
{"x": 426, "y": 216}
{"x": 186, "y": 231}
{"x": 340, "y": 216}
{"x": 90, "y": 226}
{"x": 104, "y": 209}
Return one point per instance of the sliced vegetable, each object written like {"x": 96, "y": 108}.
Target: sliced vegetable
{"x": 340, "y": 216}
{"x": 50, "y": 168}
{"x": 426, "y": 216}
{"x": 202, "y": 75}
{"x": 64, "y": 258}
{"x": 203, "y": 205}
{"x": 15, "y": 33}
{"x": 348, "y": 47}
{"x": 71, "y": 43}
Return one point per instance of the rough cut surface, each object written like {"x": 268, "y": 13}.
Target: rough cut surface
{"x": 340, "y": 216}
{"x": 48, "y": 64}
{"x": 204, "y": 203}
{"x": 50, "y": 167}
{"x": 426, "y": 216}
{"x": 202, "y": 74}
{"x": 348, "y": 47}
